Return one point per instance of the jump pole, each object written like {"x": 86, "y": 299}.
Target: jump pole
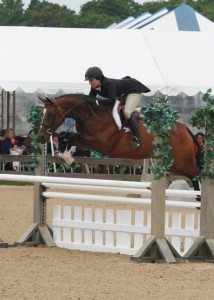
{"x": 203, "y": 248}
{"x": 38, "y": 232}
{"x": 157, "y": 247}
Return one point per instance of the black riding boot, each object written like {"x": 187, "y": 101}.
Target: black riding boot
{"x": 132, "y": 123}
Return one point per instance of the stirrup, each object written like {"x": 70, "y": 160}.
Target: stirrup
{"x": 135, "y": 142}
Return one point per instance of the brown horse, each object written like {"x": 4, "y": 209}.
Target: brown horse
{"x": 97, "y": 130}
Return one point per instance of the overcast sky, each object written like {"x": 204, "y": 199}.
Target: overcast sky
{"x": 72, "y": 4}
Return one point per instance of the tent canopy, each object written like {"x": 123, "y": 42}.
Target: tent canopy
{"x": 51, "y": 59}
{"x": 183, "y": 18}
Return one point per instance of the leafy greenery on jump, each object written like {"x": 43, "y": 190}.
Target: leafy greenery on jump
{"x": 204, "y": 120}
{"x": 34, "y": 118}
{"x": 160, "y": 118}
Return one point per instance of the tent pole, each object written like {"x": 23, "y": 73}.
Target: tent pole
{"x": 1, "y": 97}
{"x": 14, "y": 109}
{"x": 8, "y": 109}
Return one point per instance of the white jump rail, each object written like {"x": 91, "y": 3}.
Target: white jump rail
{"x": 120, "y": 231}
{"x": 80, "y": 181}
{"x": 116, "y": 199}
{"x": 103, "y": 185}
{"x": 137, "y": 190}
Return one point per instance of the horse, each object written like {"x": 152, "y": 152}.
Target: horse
{"x": 97, "y": 130}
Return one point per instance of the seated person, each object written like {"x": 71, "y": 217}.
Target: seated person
{"x": 28, "y": 144}
{"x": 9, "y": 145}
{"x": 55, "y": 139}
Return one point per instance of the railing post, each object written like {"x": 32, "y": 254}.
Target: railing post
{"x": 39, "y": 203}
{"x": 158, "y": 208}
{"x": 39, "y": 231}
{"x": 157, "y": 247}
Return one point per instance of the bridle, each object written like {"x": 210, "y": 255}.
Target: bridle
{"x": 51, "y": 127}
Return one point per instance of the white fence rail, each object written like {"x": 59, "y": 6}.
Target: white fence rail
{"x": 118, "y": 231}
{"x": 109, "y": 230}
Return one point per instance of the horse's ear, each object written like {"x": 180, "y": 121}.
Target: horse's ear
{"x": 46, "y": 100}
{"x": 42, "y": 99}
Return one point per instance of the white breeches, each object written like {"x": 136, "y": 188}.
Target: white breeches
{"x": 132, "y": 102}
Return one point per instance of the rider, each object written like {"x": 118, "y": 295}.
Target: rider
{"x": 107, "y": 90}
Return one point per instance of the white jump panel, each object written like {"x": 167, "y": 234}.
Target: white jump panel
{"x": 118, "y": 231}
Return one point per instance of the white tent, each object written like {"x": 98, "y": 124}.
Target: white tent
{"x": 55, "y": 58}
{"x": 181, "y": 18}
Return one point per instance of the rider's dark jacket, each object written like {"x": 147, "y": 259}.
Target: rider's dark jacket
{"x": 111, "y": 89}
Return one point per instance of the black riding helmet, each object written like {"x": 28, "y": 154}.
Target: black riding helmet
{"x": 93, "y": 72}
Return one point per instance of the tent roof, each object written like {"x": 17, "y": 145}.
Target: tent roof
{"x": 54, "y": 58}
{"x": 185, "y": 60}
{"x": 183, "y": 18}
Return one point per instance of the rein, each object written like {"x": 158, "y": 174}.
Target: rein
{"x": 63, "y": 116}
{"x": 57, "y": 110}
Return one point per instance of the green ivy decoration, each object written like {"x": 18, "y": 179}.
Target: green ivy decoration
{"x": 160, "y": 118}
{"x": 34, "y": 118}
{"x": 204, "y": 120}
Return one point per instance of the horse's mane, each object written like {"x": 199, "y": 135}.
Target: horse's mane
{"x": 87, "y": 98}
{"x": 70, "y": 95}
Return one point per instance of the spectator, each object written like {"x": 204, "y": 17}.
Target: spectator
{"x": 200, "y": 153}
{"x": 28, "y": 144}
{"x": 9, "y": 145}
{"x": 200, "y": 139}
{"x": 55, "y": 139}
{"x": 9, "y": 142}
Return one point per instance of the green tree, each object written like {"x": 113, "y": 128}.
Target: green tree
{"x": 101, "y": 13}
{"x": 11, "y": 12}
{"x": 122, "y": 8}
{"x": 94, "y": 20}
{"x": 204, "y": 7}
{"x": 48, "y": 15}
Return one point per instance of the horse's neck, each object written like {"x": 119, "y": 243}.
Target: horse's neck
{"x": 98, "y": 132}
{"x": 73, "y": 107}
{"x": 91, "y": 121}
